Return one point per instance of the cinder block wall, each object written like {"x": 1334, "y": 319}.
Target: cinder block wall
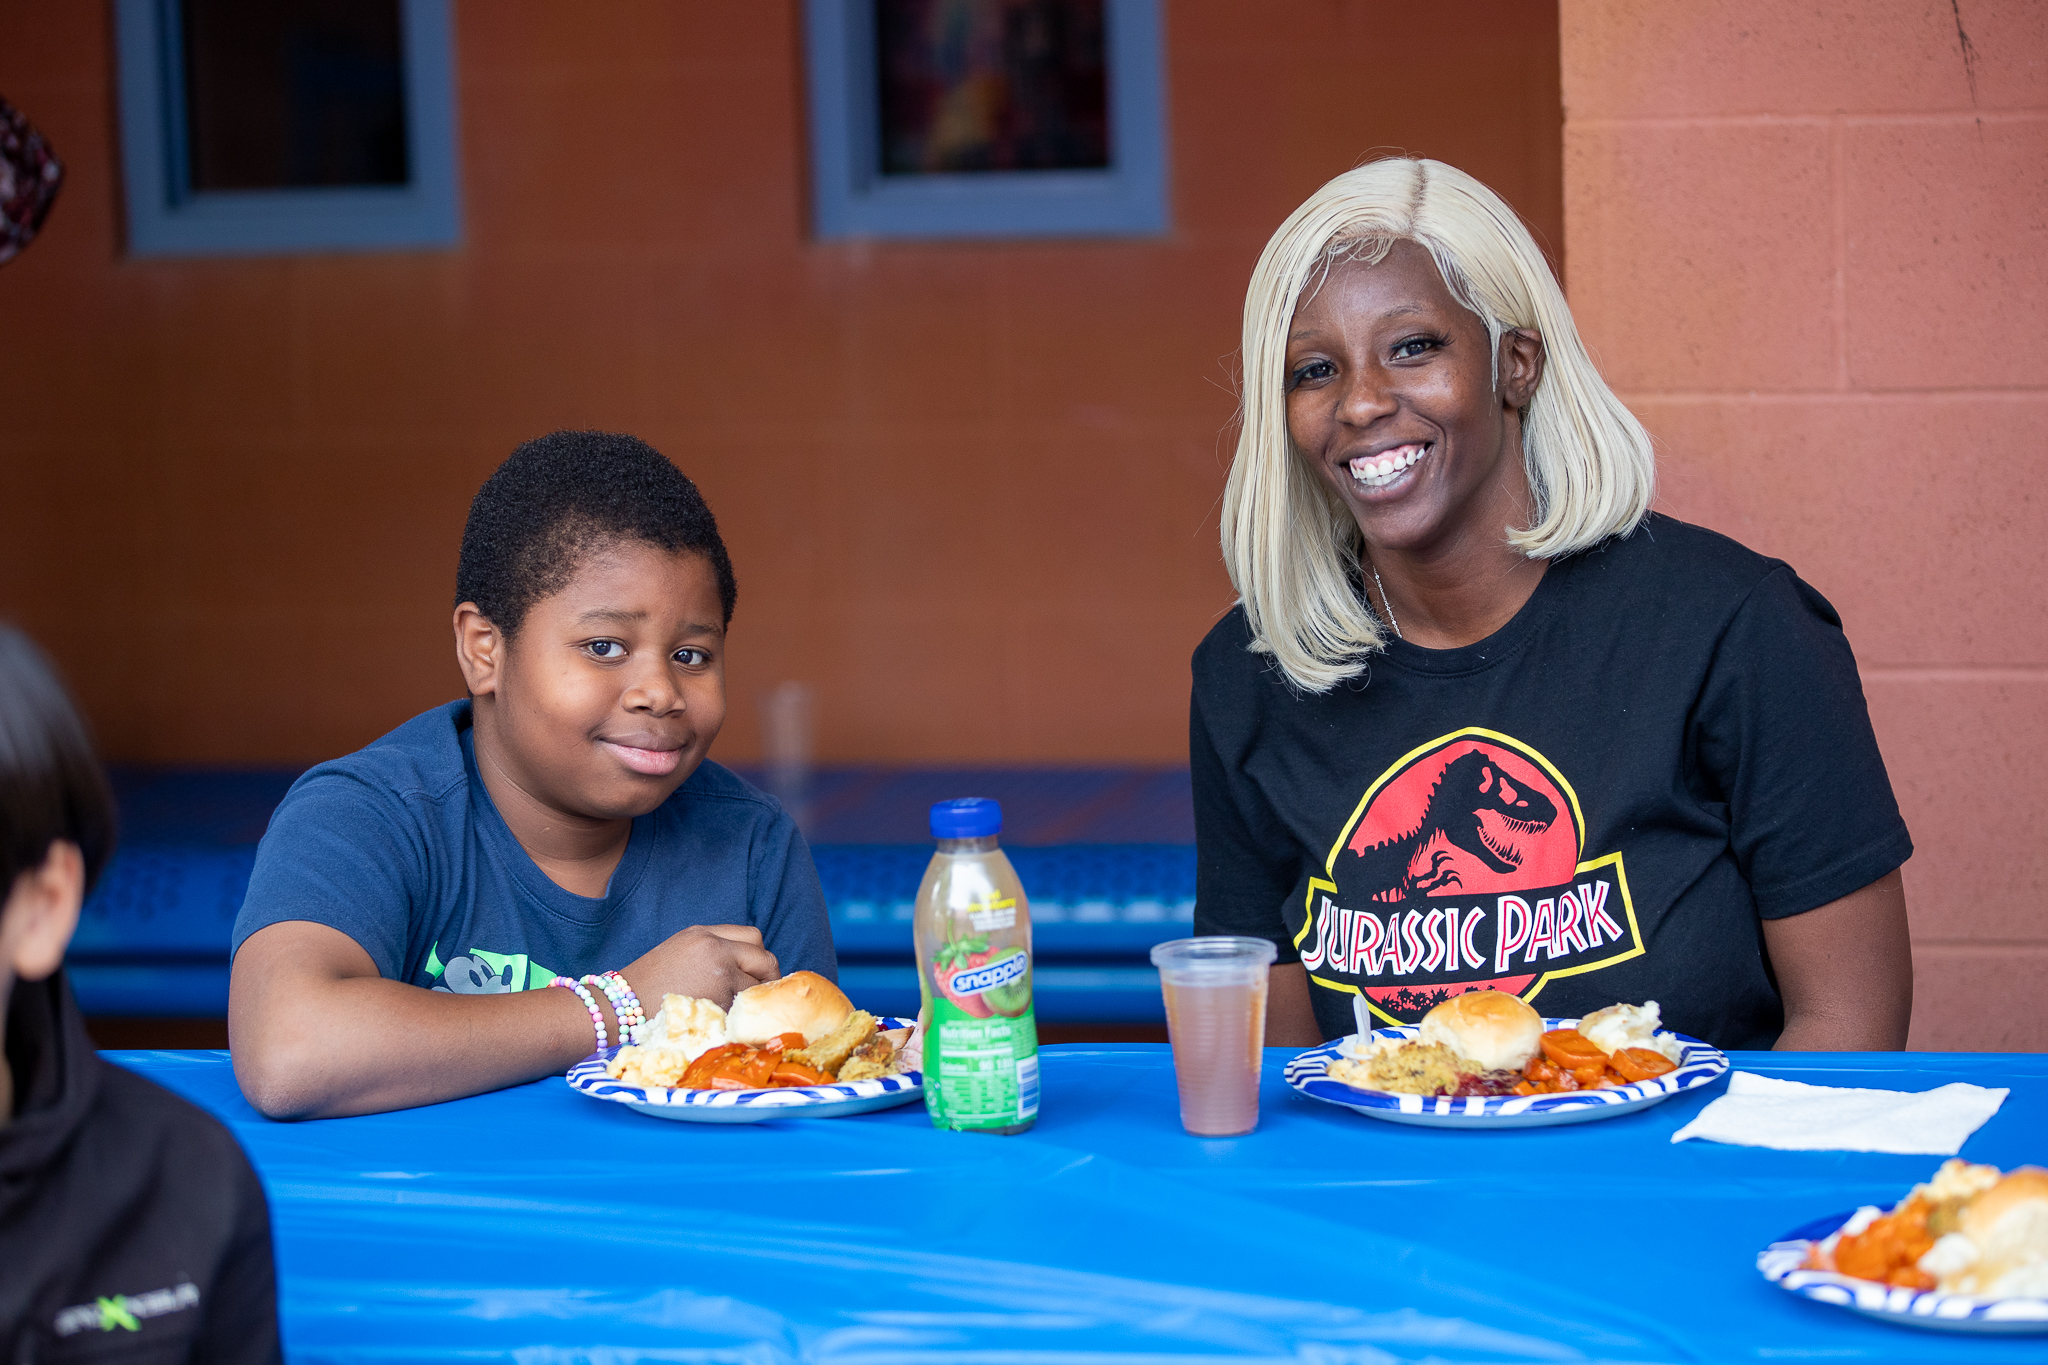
{"x": 1809, "y": 245}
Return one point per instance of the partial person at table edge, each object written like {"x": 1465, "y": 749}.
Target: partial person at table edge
{"x": 1480, "y": 717}
{"x": 415, "y": 905}
{"x": 131, "y": 1223}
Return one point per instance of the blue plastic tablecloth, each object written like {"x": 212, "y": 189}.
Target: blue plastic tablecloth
{"x": 538, "y": 1225}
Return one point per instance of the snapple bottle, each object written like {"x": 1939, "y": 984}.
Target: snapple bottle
{"x": 973, "y": 930}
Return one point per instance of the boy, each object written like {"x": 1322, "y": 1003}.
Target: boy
{"x": 412, "y": 902}
{"x": 130, "y": 1222}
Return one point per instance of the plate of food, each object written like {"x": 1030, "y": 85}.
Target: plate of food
{"x": 1965, "y": 1252}
{"x": 1486, "y": 1060}
{"x": 792, "y": 1048}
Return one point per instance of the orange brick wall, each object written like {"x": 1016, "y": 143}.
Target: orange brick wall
{"x": 970, "y": 488}
{"x": 1809, "y": 244}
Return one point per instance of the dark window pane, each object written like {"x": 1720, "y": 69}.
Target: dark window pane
{"x": 991, "y": 85}
{"x": 290, "y": 94}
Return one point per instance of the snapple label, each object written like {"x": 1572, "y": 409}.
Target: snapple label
{"x": 973, "y": 931}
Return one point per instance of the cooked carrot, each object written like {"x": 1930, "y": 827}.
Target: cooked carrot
{"x": 796, "y": 1073}
{"x": 1571, "y": 1049}
{"x": 1639, "y": 1063}
{"x": 698, "y": 1075}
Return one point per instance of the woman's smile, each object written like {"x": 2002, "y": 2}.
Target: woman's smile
{"x": 1385, "y": 469}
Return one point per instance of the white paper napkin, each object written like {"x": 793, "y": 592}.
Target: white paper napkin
{"x": 1762, "y": 1111}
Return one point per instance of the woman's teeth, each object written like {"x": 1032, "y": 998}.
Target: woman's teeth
{"x": 1377, "y": 471}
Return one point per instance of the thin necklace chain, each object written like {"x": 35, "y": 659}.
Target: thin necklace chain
{"x": 1389, "y": 606}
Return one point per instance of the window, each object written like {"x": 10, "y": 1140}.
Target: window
{"x": 986, "y": 118}
{"x": 264, "y": 126}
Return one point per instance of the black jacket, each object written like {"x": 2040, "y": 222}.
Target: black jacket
{"x": 131, "y": 1226}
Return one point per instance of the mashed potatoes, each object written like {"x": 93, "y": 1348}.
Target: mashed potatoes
{"x": 1957, "y": 1182}
{"x": 681, "y": 1031}
{"x": 1620, "y": 1026}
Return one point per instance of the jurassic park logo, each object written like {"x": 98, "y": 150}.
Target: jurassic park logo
{"x": 1461, "y": 869}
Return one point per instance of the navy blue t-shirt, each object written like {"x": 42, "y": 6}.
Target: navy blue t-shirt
{"x": 400, "y": 847}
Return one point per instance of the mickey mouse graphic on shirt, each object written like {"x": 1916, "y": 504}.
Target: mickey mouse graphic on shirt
{"x": 478, "y": 972}
{"x": 1462, "y": 868}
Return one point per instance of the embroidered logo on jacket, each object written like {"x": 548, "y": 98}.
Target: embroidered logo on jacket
{"x": 1462, "y": 869}
{"x": 126, "y": 1311}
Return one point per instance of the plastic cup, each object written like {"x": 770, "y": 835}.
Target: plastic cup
{"x": 1216, "y": 1016}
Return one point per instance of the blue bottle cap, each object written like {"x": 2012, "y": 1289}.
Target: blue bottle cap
{"x": 970, "y": 817}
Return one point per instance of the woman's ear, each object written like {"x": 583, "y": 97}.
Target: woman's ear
{"x": 479, "y": 649}
{"x": 41, "y": 913}
{"x": 1521, "y": 366}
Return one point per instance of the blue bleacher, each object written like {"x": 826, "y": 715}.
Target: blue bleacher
{"x": 1106, "y": 854}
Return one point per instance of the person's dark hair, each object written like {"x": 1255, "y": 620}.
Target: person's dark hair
{"x": 562, "y": 497}
{"x": 51, "y": 785}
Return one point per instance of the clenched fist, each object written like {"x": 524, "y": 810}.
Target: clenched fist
{"x": 710, "y": 961}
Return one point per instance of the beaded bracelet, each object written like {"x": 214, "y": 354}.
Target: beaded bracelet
{"x": 625, "y": 1004}
{"x": 629, "y": 1002}
{"x": 589, "y": 1003}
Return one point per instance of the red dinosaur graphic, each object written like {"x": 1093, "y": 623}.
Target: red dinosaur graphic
{"x": 1489, "y": 820}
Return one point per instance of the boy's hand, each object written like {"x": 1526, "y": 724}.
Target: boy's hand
{"x": 710, "y": 961}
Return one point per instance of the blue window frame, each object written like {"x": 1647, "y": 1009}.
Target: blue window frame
{"x": 167, "y": 216}
{"x": 852, "y": 196}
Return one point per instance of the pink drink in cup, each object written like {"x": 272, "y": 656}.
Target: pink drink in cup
{"x": 1216, "y": 1016}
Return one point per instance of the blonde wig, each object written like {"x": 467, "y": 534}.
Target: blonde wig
{"x": 1291, "y": 546}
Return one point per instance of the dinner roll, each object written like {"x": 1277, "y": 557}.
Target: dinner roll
{"x": 802, "y": 1002}
{"x": 2009, "y": 1224}
{"x": 1491, "y": 1028}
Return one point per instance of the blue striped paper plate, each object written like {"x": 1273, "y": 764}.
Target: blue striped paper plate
{"x": 833, "y": 1101}
{"x": 1309, "y": 1073}
{"x": 1781, "y": 1264}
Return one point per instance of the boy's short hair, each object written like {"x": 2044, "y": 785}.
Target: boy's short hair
{"x": 564, "y": 496}
{"x": 51, "y": 785}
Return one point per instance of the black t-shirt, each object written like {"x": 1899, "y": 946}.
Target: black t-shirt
{"x": 1597, "y": 803}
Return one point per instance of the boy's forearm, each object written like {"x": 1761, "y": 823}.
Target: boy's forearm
{"x": 364, "y": 1045}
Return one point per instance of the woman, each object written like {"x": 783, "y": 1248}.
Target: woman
{"x": 1479, "y": 718}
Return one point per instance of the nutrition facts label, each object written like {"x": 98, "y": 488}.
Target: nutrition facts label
{"x": 978, "y": 1068}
